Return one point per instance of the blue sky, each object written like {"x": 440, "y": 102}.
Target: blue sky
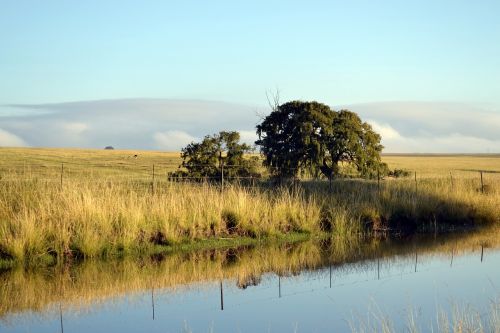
{"x": 336, "y": 52}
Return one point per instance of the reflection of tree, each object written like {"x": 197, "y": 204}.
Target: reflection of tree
{"x": 76, "y": 286}
{"x": 243, "y": 282}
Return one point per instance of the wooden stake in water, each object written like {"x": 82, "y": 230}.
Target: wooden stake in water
{"x": 221, "y": 297}
{"x": 482, "y": 252}
{"x": 451, "y": 263}
{"x": 416, "y": 260}
{"x": 61, "y": 317}
{"x": 378, "y": 268}
{"x": 330, "y": 275}
{"x": 279, "y": 286}
{"x": 153, "y": 302}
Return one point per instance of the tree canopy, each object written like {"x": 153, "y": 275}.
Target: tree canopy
{"x": 299, "y": 137}
{"x": 204, "y": 159}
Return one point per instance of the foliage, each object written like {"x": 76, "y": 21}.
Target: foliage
{"x": 218, "y": 153}
{"x": 397, "y": 173}
{"x": 292, "y": 137}
{"x": 300, "y": 137}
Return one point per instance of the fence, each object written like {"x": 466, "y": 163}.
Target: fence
{"x": 141, "y": 174}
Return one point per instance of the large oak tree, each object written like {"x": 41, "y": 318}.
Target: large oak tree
{"x": 299, "y": 137}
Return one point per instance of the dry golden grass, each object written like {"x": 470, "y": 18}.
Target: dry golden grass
{"x": 106, "y": 206}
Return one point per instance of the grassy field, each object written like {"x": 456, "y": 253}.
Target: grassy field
{"x": 42, "y": 162}
{"x": 106, "y": 205}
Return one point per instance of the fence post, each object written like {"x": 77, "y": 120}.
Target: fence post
{"x": 330, "y": 181}
{"x": 62, "y": 172}
{"x": 221, "y": 162}
{"x": 482, "y": 185}
{"x": 451, "y": 178}
{"x": 378, "y": 181}
{"x": 416, "y": 186}
{"x": 153, "y": 181}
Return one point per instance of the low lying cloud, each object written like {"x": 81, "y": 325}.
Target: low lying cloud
{"x": 75, "y": 128}
{"x": 248, "y": 137}
{"x": 433, "y": 127}
{"x": 8, "y": 139}
{"x": 168, "y": 124}
{"x": 385, "y": 130}
{"x": 165, "y": 124}
{"x": 173, "y": 140}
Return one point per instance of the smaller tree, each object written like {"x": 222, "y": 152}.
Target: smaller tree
{"x": 205, "y": 159}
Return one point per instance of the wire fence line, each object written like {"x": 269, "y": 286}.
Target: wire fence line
{"x": 223, "y": 174}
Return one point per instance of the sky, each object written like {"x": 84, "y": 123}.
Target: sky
{"x": 424, "y": 73}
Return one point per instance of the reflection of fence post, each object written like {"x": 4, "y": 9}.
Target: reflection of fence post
{"x": 153, "y": 301}
{"x": 378, "y": 268}
{"x": 279, "y": 286}
{"x": 62, "y": 172}
{"x": 482, "y": 185}
{"x": 416, "y": 260}
{"x": 61, "y": 317}
{"x": 330, "y": 275}
{"x": 221, "y": 297}
{"x": 482, "y": 252}
{"x": 451, "y": 263}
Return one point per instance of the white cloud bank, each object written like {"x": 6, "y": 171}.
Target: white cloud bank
{"x": 173, "y": 140}
{"x": 8, "y": 139}
{"x": 407, "y": 127}
{"x": 431, "y": 127}
{"x": 393, "y": 141}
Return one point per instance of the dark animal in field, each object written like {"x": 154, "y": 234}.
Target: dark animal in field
{"x": 487, "y": 189}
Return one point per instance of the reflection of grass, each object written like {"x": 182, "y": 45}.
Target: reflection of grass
{"x": 106, "y": 208}
{"x": 89, "y": 282}
{"x": 461, "y": 319}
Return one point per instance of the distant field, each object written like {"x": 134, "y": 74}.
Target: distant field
{"x": 44, "y": 162}
{"x": 433, "y": 165}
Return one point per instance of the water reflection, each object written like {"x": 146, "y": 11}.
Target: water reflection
{"x": 247, "y": 280}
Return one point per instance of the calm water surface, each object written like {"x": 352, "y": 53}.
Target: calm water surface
{"x": 307, "y": 287}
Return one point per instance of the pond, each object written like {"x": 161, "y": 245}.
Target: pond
{"x": 312, "y": 286}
